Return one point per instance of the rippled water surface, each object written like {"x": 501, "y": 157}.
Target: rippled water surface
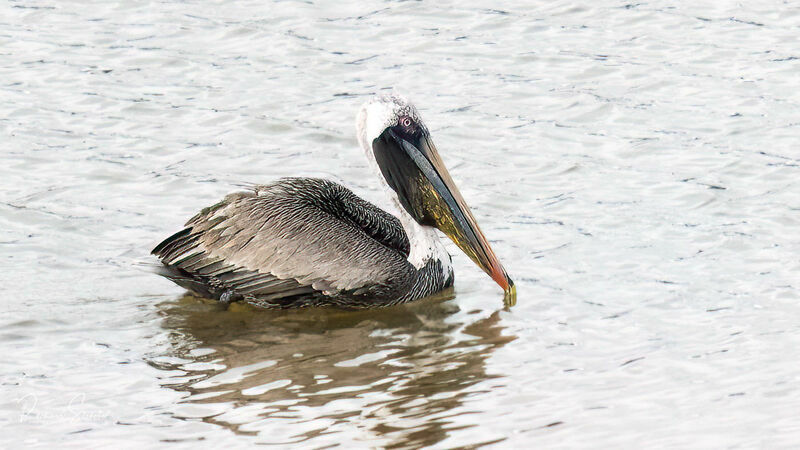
{"x": 635, "y": 165}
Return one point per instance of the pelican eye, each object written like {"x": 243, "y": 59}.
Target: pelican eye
{"x": 406, "y": 122}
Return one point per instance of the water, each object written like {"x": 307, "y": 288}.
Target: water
{"x": 635, "y": 166}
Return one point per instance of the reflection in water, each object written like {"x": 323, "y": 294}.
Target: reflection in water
{"x": 395, "y": 374}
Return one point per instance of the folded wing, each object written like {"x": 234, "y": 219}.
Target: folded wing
{"x": 295, "y": 238}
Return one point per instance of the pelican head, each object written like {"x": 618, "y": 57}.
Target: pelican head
{"x": 392, "y": 132}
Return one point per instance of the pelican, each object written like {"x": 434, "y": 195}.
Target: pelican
{"x": 302, "y": 242}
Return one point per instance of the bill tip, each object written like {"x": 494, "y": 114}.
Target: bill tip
{"x": 510, "y": 297}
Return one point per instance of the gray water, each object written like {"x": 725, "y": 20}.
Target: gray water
{"x": 635, "y": 166}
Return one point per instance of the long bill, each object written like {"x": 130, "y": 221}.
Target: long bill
{"x": 414, "y": 169}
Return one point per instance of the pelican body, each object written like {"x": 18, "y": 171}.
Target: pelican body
{"x": 301, "y": 242}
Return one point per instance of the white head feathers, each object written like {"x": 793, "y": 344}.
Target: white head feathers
{"x": 375, "y": 116}
{"x": 380, "y": 113}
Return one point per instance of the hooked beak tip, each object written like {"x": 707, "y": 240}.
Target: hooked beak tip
{"x": 510, "y": 293}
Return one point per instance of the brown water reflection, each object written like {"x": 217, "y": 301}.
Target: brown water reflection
{"x": 398, "y": 375}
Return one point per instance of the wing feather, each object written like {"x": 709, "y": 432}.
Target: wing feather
{"x": 293, "y": 237}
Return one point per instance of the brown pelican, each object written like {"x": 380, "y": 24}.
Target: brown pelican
{"x": 302, "y": 242}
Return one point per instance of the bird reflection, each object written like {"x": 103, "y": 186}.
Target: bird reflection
{"x": 399, "y": 372}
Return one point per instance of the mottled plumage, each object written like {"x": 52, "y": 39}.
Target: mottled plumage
{"x": 297, "y": 242}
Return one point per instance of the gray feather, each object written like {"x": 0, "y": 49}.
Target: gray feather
{"x": 295, "y": 237}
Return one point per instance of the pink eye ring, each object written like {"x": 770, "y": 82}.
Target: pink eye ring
{"x": 405, "y": 121}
